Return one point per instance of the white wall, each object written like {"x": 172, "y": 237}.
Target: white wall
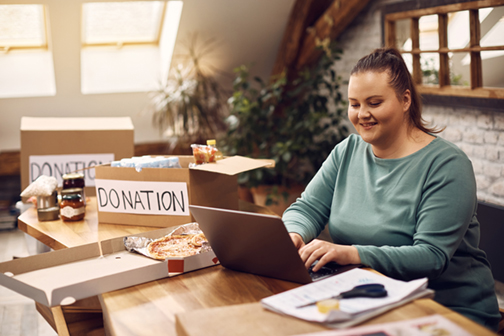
{"x": 247, "y": 31}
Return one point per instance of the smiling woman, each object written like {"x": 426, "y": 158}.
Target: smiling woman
{"x": 385, "y": 107}
{"x": 397, "y": 198}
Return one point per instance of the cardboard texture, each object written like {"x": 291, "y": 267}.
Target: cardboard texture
{"x": 161, "y": 196}
{"x": 63, "y": 276}
{"x": 55, "y": 146}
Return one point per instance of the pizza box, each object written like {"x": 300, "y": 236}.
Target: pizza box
{"x": 160, "y": 197}
{"x": 56, "y": 146}
{"x": 63, "y": 276}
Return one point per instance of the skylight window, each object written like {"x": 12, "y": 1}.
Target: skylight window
{"x": 118, "y": 23}
{"x": 22, "y": 26}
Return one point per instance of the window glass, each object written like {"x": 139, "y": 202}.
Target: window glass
{"x": 458, "y": 30}
{"x": 429, "y": 63}
{"x": 121, "y": 22}
{"x": 460, "y": 70}
{"x": 22, "y": 26}
{"x": 403, "y": 35}
{"x": 429, "y": 36}
{"x": 492, "y": 28}
{"x": 490, "y": 61}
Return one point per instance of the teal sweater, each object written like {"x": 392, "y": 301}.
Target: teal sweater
{"x": 408, "y": 218}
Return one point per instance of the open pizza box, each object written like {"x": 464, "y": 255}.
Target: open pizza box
{"x": 160, "y": 197}
{"x": 61, "y": 277}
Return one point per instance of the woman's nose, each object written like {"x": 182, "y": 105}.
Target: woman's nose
{"x": 363, "y": 113}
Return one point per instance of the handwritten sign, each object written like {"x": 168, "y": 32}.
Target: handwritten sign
{"x": 59, "y": 165}
{"x": 140, "y": 197}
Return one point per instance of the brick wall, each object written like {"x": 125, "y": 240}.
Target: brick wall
{"x": 478, "y": 132}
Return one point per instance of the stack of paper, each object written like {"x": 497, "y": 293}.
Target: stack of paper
{"x": 423, "y": 326}
{"x": 352, "y": 311}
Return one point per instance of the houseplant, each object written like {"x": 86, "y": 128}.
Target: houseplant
{"x": 294, "y": 122}
{"x": 190, "y": 106}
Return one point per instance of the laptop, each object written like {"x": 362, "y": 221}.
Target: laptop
{"x": 258, "y": 244}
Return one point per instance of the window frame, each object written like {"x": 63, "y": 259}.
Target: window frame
{"x": 476, "y": 94}
{"x": 120, "y": 44}
{"x": 43, "y": 46}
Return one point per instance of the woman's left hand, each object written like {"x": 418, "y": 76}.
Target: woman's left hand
{"x": 324, "y": 252}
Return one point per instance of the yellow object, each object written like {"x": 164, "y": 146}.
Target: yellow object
{"x": 218, "y": 153}
{"x": 325, "y": 306}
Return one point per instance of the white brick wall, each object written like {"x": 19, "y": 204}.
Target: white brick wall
{"x": 480, "y": 134}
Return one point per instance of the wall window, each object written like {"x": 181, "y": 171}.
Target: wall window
{"x": 127, "y": 46}
{"x": 26, "y": 64}
{"x": 452, "y": 50}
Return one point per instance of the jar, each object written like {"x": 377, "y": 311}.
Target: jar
{"x": 72, "y": 207}
{"x": 74, "y": 180}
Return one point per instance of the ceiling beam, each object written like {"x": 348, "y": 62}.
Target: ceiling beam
{"x": 303, "y": 14}
{"x": 327, "y": 28}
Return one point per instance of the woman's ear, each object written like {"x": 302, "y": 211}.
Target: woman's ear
{"x": 406, "y": 100}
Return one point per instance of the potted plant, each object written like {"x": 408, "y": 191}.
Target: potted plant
{"x": 191, "y": 106}
{"x": 294, "y": 122}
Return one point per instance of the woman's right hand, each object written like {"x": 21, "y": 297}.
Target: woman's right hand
{"x": 297, "y": 240}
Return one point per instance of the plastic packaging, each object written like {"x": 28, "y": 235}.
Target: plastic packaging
{"x": 205, "y": 154}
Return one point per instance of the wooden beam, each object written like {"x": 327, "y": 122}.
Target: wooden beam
{"x": 475, "y": 34}
{"x": 415, "y": 45}
{"x": 444, "y": 61}
{"x": 390, "y": 33}
{"x": 327, "y": 28}
{"x": 445, "y": 9}
{"x": 289, "y": 48}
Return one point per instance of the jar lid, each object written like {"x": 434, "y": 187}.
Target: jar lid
{"x": 71, "y": 191}
{"x": 72, "y": 176}
{"x": 48, "y": 214}
{"x": 71, "y": 196}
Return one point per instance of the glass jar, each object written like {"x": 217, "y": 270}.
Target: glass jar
{"x": 74, "y": 180}
{"x": 72, "y": 207}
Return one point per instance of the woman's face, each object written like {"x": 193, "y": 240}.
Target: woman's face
{"x": 375, "y": 111}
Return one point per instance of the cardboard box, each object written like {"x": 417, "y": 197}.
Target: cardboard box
{"x": 56, "y": 146}
{"x": 64, "y": 276}
{"x": 160, "y": 197}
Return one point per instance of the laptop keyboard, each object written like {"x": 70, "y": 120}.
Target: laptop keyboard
{"x": 327, "y": 270}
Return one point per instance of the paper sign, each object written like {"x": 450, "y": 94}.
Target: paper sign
{"x": 140, "y": 197}
{"x": 59, "y": 165}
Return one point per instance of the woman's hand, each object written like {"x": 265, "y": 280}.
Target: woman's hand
{"x": 324, "y": 252}
{"x": 297, "y": 240}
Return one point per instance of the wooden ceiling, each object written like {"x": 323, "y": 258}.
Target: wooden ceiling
{"x": 312, "y": 22}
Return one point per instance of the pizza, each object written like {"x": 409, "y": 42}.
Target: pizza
{"x": 176, "y": 246}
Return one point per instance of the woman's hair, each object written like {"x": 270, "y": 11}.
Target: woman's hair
{"x": 391, "y": 61}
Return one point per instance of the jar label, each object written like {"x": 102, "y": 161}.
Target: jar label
{"x": 70, "y": 212}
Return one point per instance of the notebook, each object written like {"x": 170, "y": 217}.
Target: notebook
{"x": 258, "y": 244}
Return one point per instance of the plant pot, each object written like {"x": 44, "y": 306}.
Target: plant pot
{"x": 261, "y": 193}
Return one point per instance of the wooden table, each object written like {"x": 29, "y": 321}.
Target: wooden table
{"x": 187, "y": 303}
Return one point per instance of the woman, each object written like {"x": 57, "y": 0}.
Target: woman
{"x": 396, "y": 197}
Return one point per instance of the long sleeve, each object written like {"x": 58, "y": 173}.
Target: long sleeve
{"x": 408, "y": 218}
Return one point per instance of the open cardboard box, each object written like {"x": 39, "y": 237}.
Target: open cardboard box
{"x": 64, "y": 276}
{"x": 56, "y": 146}
{"x": 160, "y": 197}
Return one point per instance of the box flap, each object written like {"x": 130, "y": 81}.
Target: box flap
{"x": 235, "y": 165}
{"x": 76, "y": 124}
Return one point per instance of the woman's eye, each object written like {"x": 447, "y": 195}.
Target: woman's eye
{"x": 375, "y": 104}
{"x": 354, "y": 105}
